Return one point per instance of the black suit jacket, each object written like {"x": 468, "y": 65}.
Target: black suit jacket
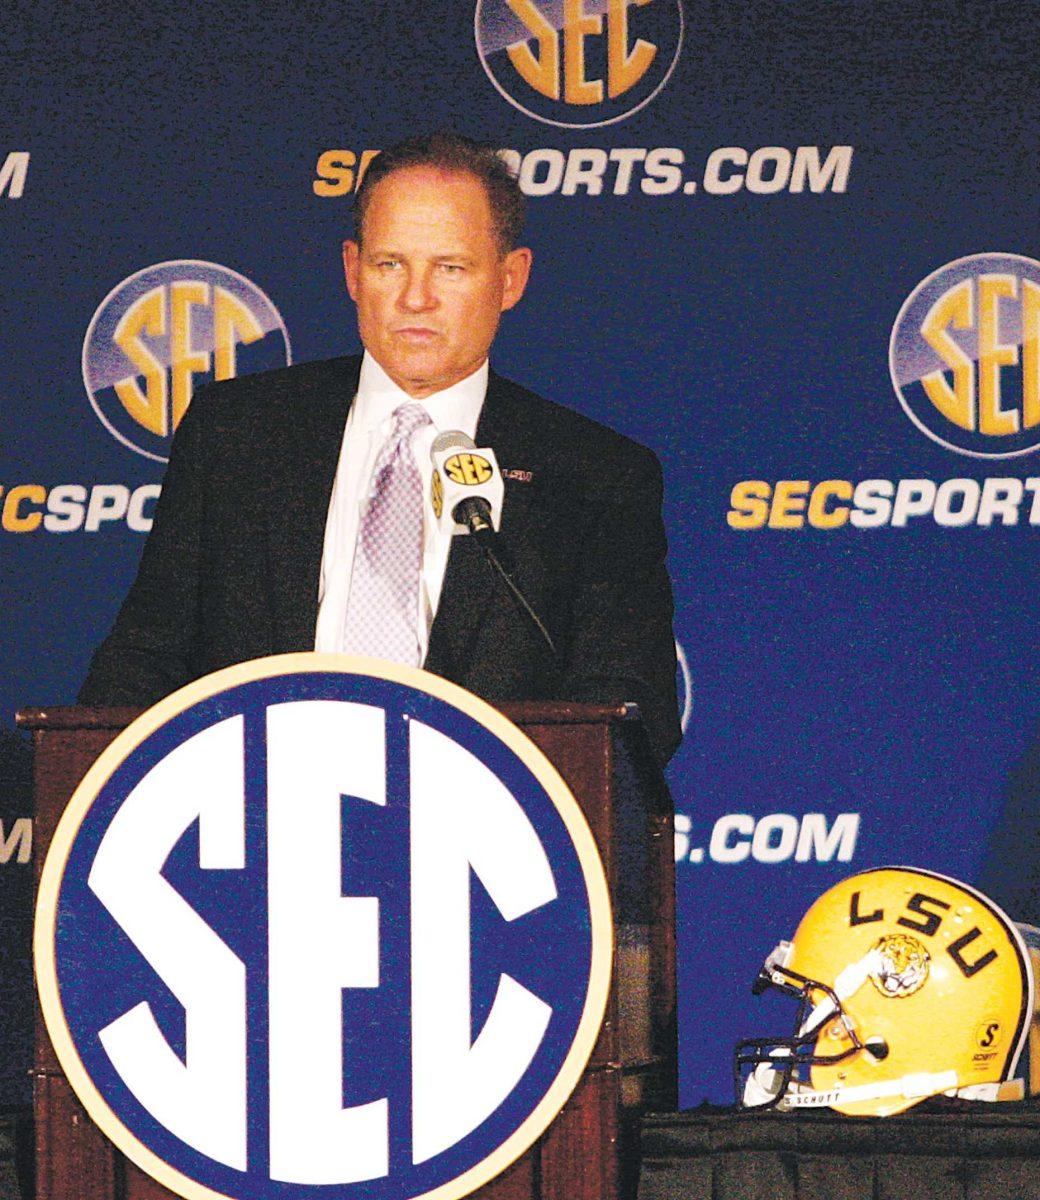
{"x": 230, "y": 570}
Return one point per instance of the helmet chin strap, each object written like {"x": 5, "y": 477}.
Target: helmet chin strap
{"x": 765, "y": 1081}
{"x": 910, "y": 1087}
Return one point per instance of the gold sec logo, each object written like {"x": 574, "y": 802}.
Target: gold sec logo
{"x": 469, "y": 470}
{"x": 165, "y": 330}
{"x": 579, "y": 63}
{"x": 965, "y": 356}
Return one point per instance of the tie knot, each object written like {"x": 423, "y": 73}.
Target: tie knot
{"x": 407, "y": 419}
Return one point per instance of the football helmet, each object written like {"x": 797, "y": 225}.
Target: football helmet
{"x": 909, "y": 984}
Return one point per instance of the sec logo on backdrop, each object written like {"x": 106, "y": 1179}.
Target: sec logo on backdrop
{"x": 307, "y": 933}
{"x": 164, "y": 331}
{"x": 965, "y": 355}
{"x": 579, "y": 63}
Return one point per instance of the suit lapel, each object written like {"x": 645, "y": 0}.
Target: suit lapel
{"x": 302, "y": 467}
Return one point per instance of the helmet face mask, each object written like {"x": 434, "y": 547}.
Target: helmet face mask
{"x": 907, "y": 984}
{"x": 787, "y": 1058}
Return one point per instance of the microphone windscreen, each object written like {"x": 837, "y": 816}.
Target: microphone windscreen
{"x": 451, "y": 439}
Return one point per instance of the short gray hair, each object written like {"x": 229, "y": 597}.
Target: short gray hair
{"x": 451, "y": 152}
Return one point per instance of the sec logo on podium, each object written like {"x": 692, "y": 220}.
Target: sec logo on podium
{"x": 318, "y": 928}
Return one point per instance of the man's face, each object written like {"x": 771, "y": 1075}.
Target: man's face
{"x": 429, "y": 281}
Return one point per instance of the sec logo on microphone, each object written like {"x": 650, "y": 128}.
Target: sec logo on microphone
{"x": 326, "y": 928}
{"x": 470, "y": 470}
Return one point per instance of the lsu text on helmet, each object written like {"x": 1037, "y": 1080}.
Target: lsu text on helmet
{"x": 909, "y": 985}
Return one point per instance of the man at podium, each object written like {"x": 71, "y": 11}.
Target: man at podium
{"x": 297, "y": 509}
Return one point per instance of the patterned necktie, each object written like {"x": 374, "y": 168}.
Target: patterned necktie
{"x": 383, "y": 607}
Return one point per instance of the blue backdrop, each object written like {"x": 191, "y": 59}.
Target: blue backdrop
{"x": 730, "y": 205}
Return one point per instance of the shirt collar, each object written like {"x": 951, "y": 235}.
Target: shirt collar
{"x": 456, "y": 407}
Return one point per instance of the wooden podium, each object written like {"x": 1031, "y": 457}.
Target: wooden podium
{"x": 590, "y": 1152}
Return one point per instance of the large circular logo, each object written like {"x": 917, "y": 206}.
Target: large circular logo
{"x": 323, "y": 928}
{"x": 965, "y": 356}
{"x": 579, "y": 63}
{"x": 165, "y": 330}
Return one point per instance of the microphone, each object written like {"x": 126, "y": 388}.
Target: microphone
{"x": 467, "y": 491}
{"x": 467, "y": 486}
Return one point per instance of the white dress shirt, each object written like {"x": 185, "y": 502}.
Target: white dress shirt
{"x": 368, "y": 425}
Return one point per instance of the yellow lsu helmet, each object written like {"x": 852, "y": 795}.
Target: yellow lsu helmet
{"x": 909, "y": 984}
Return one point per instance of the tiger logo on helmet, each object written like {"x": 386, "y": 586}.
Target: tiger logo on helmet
{"x": 909, "y": 984}
{"x": 902, "y": 965}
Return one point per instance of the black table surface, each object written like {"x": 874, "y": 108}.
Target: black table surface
{"x": 942, "y": 1150}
